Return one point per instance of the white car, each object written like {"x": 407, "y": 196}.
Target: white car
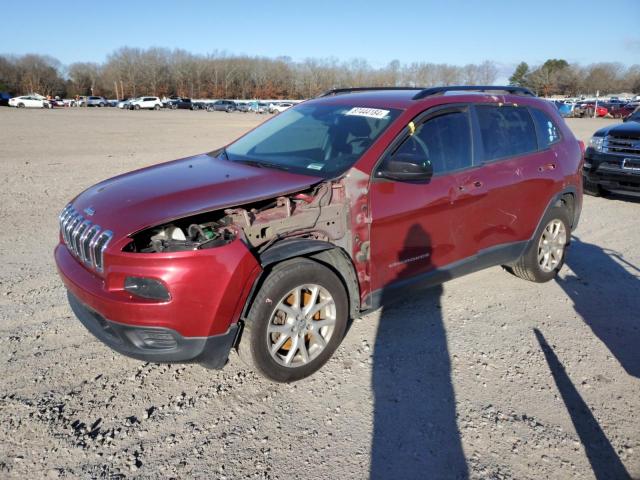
{"x": 125, "y": 104}
{"x": 28, "y": 101}
{"x": 150, "y": 103}
{"x": 280, "y": 107}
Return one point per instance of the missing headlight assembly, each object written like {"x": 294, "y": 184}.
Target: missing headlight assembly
{"x": 318, "y": 213}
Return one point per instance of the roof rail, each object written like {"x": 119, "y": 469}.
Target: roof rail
{"x": 427, "y": 92}
{"x": 338, "y": 91}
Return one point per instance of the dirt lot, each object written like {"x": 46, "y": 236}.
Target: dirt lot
{"x": 487, "y": 377}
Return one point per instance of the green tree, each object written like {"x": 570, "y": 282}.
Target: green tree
{"x": 519, "y": 77}
{"x": 555, "y": 64}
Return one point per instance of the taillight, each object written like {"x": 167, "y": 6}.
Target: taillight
{"x": 582, "y": 147}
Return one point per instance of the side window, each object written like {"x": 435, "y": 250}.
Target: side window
{"x": 445, "y": 141}
{"x": 506, "y": 131}
{"x": 548, "y": 132}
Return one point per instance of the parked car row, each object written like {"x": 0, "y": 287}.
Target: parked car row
{"x": 586, "y": 109}
{"x": 149, "y": 103}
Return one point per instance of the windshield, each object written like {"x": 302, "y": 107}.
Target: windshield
{"x": 316, "y": 139}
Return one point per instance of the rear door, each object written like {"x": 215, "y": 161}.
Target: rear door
{"x": 518, "y": 176}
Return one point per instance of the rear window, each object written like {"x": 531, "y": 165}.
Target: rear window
{"x": 506, "y": 131}
{"x": 548, "y": 132}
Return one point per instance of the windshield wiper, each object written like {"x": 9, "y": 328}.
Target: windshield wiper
{"x": 262, "y": 164}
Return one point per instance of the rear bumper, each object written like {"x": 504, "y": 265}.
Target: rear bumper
{"x": 155, "y": 344}
{"x": 607, "y": 171}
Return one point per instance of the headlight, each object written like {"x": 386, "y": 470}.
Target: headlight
{"x": 147, "y": 288}
{"x": 596, "y": 143}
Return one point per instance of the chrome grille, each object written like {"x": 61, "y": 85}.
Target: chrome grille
{"x": 85, "y": 240}
{"x": 622, "y": 146}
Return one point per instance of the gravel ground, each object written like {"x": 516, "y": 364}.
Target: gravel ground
{"x": 488, "y": 376}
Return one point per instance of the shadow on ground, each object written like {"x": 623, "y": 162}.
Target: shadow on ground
{"x": 605, "y": 290}
{"x": 602, "y": 456}
{"x": 415, "y": 432}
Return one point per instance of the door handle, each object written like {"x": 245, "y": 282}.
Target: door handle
{"x": 547, "y": 167}
{"x": 470, "y": 186}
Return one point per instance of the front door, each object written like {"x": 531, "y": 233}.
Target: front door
{"x": 420, "y": 227}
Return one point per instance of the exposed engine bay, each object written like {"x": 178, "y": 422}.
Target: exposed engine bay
{"x": 319, "y": 213}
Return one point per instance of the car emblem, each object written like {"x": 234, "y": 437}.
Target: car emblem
{"x": 89, "y": 211}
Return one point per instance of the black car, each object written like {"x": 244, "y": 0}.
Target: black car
{"x": 222, "y": 106}
{"x": 612, "y": 159}
{"x": 179, "y": 103}
{"x": 4, "y": 98}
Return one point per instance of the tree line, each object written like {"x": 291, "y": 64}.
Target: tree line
{"x": 558, "y": 77}
{"x": 131, "y": 72}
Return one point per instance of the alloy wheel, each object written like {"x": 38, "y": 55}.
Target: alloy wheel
{"x": 301, "y": 325}
{"x": 551, "y": 245}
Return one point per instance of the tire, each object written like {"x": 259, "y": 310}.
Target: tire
{"x": 259, "y": 338}
{"x": 591, "y": 188}
{"x": 157, "y": 107}
{"x": 530, "y": 266}
{"x": 20, "y": 105}
{"x": 136, "y": 107}
{"x": 101, "y": 105}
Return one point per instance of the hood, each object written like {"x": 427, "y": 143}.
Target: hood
{"x": 154, "y": 195}
{"x": 630, "y": 129}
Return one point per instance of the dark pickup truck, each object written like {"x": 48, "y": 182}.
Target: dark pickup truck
{"x": 612, "y": 159}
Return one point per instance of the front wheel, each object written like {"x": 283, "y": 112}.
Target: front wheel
{"x": 296, "y": 321}
{"x": 157, "y": 107}
{"x": 591, "y": 188}
{"x": 545, "y": 255}
{"x": 137, "y": 107}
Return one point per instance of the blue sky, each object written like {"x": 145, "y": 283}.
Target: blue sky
{"x": 456, "y": 32}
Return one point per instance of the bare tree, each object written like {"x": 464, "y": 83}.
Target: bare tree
{"x": 159, "y": 71}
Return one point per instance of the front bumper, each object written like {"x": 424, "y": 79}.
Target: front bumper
{"x": 608, "y": 171}
{"x": 156, "y": 344}
{"x": 208, "y": 291}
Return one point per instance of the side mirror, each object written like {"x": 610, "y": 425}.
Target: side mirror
{"x": 407, "y": 167}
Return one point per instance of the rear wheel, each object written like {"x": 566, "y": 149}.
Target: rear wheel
{"x": 136, "y": 107}
{"x": 544, "y": 256}
{"x": 296, "y": 321}
{"x": 157, "y": 107}
{"x": 21, "y": 105}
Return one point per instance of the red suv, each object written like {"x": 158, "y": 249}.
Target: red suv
{"x": 321, "y": 214}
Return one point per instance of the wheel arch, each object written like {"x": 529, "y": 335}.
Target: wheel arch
{"x": 325, "y": 253}
{"x": 567, "y": 197}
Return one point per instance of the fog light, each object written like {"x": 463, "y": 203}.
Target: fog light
{"x": 157, "y": 339}
{"x": 146, "y": 288}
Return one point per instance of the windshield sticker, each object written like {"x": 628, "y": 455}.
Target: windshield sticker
{"x": 315, "y": 166}
{"x": 368, "y": 112}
